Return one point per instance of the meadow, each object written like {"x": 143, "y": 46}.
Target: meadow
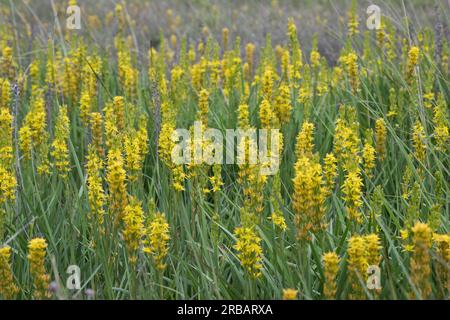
{"x": 358, "y": 208}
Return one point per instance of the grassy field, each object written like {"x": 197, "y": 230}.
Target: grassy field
{"x": 87, "y": 177}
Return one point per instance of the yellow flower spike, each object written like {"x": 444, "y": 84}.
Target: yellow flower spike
{"x": 331, "y": 268}
{"x": 352, "y": 190}
{"x": 418, "y": 141}
{"x": 248, "y": 246}
{"x": 8, "y": 289}
{"x": 420, "y": 267}
{"x": 133, "y": 230}
{"x": 60, "y": 150}
{"x": 380, "y": 138}
{"x": 357, "y": 266}
{"x": 305, "y": 141}
{"x": 309, "y": 197}
{"x": 283, "y": 105}
{"x": 36, "y": 257}
{"x": 96, "y": 193}
{"x": 413, "y": 58}
{"x": 157, "y": 240}
{"x": 330, "y": 171}
{"x": 116, "y": 178}
{"x": 265, "y": 114}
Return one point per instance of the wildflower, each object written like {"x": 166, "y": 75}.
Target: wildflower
{"x": 373, "y": 248}
{"x": 5, "y": 89}
{"x": 380, "y": 138}
{"x": 157, "y": 240}
{"x": 413, "y": 58}
{"x": 283, "y": 105}
{"x": 420, "y": 260}
{"x": 331, "y": 269}
{"x": 290, "y": 294}
{"x": 441, "y": 130}
{"x": 225, "y": 35}
{"x": 265, "y": 114}
{"x": 267, "y": 83}
{"x": 133, "y": 231}
{"x": 352, "y": 189}
{"x": 346, "y": 144}
{"x": 96, "y": 192}
{"x": 96, "y": 122}
{"x": 249, "y": 250}
{"x": 116, "y": 177}
{"x": 353, "y": 22}
{"x": 418, "y": 141}
{"x": 305, "y": 141}
{"x": 309, "y": 196}
{"x": 36, "y": 257}
{"x": 357, "y": 265}
{"x": 6, "y": 143}
{"x": 8, "y": 289}
{"x": 368, "y": 158}
{"x": 330, "y": 171}
{"x": 351, "y": 66}
{"x": 203, "y": 106}
{"x": 442, "y": 242}
{"x": 60, "y": 152}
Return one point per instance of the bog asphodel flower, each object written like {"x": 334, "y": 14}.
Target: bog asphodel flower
{"x": 133, "y": 230}
{"x": 413, "y": 58}
{"x": 36, "y": 257}
{"x": 116, "y": 178}
{"x": 248, "y": 246}
{"x": 420, "y": 261}
{"x": 157, "y": 240}
{"x": 60, "y": 150}
{"x": 96, "y": 193}
{"x": 380, "y": 138}
{"x": 418, "y": 141}
{"x": 309, "y": 197}
{"x": 352, "y": 190}
{"x": 357, "y": 265}
{"x": 8, "y": 289}
{"x": 305, "y": 141}
{"x": 330, "y": 269}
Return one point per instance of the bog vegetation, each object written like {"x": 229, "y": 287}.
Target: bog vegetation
{"x": 87, "y": 178}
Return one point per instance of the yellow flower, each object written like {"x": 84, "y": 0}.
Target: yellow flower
{"x": 420, "y": 269}
{"x": 8, "y": 289}
{"x": 265, "y": 114}
{"x": 368, "y": 155}
{"x": 133, "y": 229}
{"x": 6, "y": 143}
{"x": 308, "y": 198}
{"x": 36, "y": 257}
{"x": 357, "y": 265}
{"x": 8, "y": 185}
{"x": 418, "y": 141}
{"x": 290, "y": 294}
{"x": 330, "y": 171}
{"x": 305, "y": 141}
{"x": 331, "y": 269}
{"x": 60, "y": 151}
{"x": 157, "y": 240}
{"x": 413, "y": 58}
{"x": 352, "y": 189}
{"x": 380, "y": 138}
{"x": 96, "y": 193}
{"x": 283, "y": 105}
{"x": 116, "y": 176}
{"x": 249, "y": 250}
